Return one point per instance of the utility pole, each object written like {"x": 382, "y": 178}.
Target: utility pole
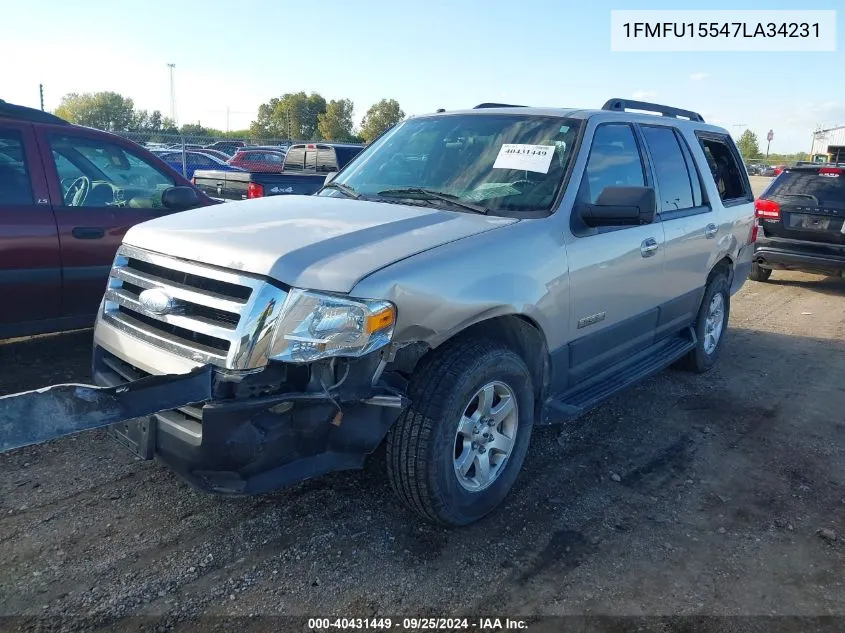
{"x": 172, "y": 94}
{"x": 41, "y": 92}
{"x": 227, "y": 119}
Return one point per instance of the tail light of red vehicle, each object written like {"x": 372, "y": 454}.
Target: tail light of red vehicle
{"x": 767, "y": 209}
{"x": 830, "y": 171}
{"x": 254, "y": 190}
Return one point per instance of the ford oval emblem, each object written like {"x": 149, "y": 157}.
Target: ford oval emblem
{"x": 156, "y": 300}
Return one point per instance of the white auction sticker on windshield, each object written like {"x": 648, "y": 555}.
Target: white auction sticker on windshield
{"x": 536, "y": 158}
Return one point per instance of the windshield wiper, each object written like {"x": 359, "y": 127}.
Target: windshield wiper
{"x": 344, "y": 189}
{"x": 431, "y": 194}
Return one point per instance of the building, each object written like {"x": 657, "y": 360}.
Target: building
{"x": 831, "y": 143}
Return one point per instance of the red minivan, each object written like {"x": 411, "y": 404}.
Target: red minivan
{"x": 68, "y": 194}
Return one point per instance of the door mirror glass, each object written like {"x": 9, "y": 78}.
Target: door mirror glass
{"x": 619, "y": 206}
{"x": 179, "y": 198}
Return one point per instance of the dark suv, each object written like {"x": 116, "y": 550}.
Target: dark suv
{"x": 801, "y": 215}
{"x": 68, "y": 194}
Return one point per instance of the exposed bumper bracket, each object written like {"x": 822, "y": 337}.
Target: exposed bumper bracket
{"x": 32, "y": 417}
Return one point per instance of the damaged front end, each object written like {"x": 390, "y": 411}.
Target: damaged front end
{"x": 262, "y": 430}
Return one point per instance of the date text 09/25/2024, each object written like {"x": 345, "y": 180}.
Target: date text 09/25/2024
{"x": 486, "y": 625}
{"x": 721, "y": 29}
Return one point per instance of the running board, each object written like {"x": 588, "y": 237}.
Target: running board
{"x": 586, "y": 396}
{"x": 32, "y": 417}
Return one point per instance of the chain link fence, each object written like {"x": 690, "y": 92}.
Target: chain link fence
{"x": 186, "y": 153}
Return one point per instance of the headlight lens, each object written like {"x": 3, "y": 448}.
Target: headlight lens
{"x": 314, "y": 326}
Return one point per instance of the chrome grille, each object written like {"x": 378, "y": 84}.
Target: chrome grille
{"x": 210, "y": 320}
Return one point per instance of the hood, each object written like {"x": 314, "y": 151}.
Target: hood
{"x": 306, "y": 241}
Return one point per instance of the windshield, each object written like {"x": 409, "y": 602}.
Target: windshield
{"x": 502, "y": 162}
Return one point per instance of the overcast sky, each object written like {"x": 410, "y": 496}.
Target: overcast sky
{"x": 427, "y": 55}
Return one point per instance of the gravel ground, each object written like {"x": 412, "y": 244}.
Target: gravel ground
{"x": 716, "y": 494}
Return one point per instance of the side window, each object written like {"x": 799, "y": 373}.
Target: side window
{"x": 673, "y": 180}
{"x": 326, "y": 160}
{"x": 97, "y": 173}
{"x": 614, "y": 161}
{"x": 295, "y": 159}
{"x": 15, "y": 186}
{"x": 726, "y": 171}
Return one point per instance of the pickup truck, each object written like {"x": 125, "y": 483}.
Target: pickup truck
{"x": 303, "y": 173}
{"x": 468, "y": 276}
{"x": 67, "y": 196}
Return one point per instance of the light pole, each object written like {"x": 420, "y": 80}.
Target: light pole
{"x": 172, "y": 94}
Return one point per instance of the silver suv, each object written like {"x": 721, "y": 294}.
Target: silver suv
{"x": 469, "y": 275}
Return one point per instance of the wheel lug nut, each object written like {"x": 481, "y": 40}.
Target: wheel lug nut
{"x": 482, "y": 450}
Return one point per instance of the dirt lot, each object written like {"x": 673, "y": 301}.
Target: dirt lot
{"x": 688, "y": 494}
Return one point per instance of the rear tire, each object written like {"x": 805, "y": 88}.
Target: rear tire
{"x": 456, "y": 451}
{"x": 710, "y": 325}
{"x": 758, "y": 273}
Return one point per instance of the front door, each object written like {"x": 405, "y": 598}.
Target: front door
{"x": 616, "y": 274}
{"x": 30, "y": 264}
{"x": 100, "y": 188}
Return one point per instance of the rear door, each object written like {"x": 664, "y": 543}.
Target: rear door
{"x": 807, "y": 204}
{"x": 99, "y": 188}
{"x": 692, "y": 223}
{"x": 30, "y": 264}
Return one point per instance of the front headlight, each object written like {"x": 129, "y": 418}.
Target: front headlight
{"x": 312, "y": 326}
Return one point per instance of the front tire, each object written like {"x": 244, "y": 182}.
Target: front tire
{"x": 456, "y": 451}
{"x": 758, "y": 273}
{"x": 710, "y": 325}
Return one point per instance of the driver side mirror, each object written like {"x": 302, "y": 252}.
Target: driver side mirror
{"x": 620, "y": 206}
{"x": 329, "y": 177}
{"x": 179, "y": 198}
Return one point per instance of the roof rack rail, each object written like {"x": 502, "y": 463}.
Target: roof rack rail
{"x": 22, "y": 113}
{"x": 621, "y": 105}
{"x": 498, "y": 105}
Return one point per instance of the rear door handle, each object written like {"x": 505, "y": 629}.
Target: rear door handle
{"x": 88, "y": 232}
{"x": 710, "y": 231}
{"x": 648, "y": 247}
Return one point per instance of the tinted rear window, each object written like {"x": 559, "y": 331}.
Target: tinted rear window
{"x": 809, "y": 187}
{"x": 346, "y": 154}
{"x": 295, "y": 159}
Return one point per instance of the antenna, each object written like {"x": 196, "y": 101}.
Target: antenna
{"x": 172, "y": 94}
{"x": 41, "y": 92}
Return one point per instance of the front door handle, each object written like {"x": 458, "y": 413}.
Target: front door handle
{"x": 88, "y": 232}
{"x": 648, "y": 247}
{"x": 710, "y": 231}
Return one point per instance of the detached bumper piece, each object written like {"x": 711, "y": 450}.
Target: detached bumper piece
{"x": 32, "y": 417}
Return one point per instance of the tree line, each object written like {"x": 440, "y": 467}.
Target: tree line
{"x": 297, "y": 116}
{"x": 749, "y": 147}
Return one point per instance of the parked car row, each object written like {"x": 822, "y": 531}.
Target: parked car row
{"x": 301, "y": 171}
{"x": 759, "y": 169}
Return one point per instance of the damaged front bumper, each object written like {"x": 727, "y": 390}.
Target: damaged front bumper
{"x": 224, "y": 432}
{"x": 244, "y": 440}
